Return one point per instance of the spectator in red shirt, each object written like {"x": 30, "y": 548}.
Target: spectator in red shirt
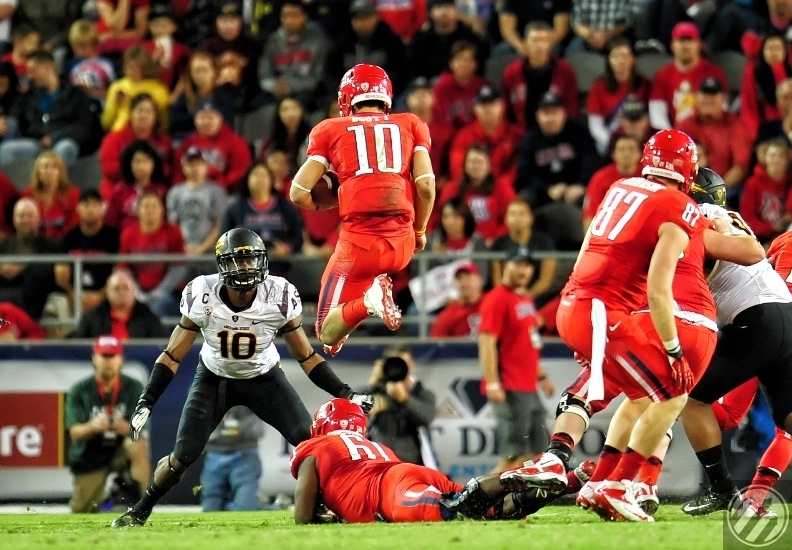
{"x": 420, "y": 102}
{"x": 159, "y": 282}
{"x": 20, "y": 325}
{"x": 510, "y": 364}
{"x": 169, "y": 55}
{"x": 121, "y": 24}
{"x": 721, "y": 132}
{"x": 461, "y": 317}
{"x": 766, "y": 202}
{"x": 490, "y": 128}
{"x": 26, "y": 40}
{"x": 8, "y": 197}
{"x": 141, "y": 169}
{"x": 227, "y": 153}
{"x": 672, "y": 98}
{"x": 485, "y": 195}
{"x": 609, "y": 92}
{"x": 143, "y": 125}
{"x": 760, "y": 79}
{"x": 626, "y": 155}
{"x": 526, "y": 80}
{"x": 456, "y": 89}
{"x": 54, "y": 195}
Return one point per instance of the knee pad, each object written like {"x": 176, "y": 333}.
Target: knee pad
{"x": 574, "y": 405}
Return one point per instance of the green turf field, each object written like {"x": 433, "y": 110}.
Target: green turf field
{"x": 554, "y": 528}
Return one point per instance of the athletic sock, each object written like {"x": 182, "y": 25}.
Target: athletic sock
{"x": 650, "y": 471}
{"x": 561, "y": 445}
{"x": 628, "y": 466}
{"x": 715, "y": 467}
{"x": 150, "y": 498}
{"x": 608, "y": 459}
{"x": 354, "y": 312}
{"x": 762, "y": 482}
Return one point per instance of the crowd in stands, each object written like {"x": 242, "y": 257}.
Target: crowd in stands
{"x": 198, "y": 111}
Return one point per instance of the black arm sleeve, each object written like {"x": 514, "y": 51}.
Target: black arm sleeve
{"x": 161, "y": 376}
{"x": 323, "y": 377}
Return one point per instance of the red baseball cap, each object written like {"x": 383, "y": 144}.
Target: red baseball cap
{"x": 685, "y": 30}
{"x": 467, "y": 267}
{"x": 108, "y": 345}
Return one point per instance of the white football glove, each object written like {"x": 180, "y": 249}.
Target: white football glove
{"x": 139, "y": 418}
{"x": 363, "y": 400}
{"x": 713, "y": 211}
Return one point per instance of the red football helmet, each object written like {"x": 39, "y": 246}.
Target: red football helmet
{"x": 338, "y": 414}
{"x": 671, "y": 154}
{"x": 364, "y": 82}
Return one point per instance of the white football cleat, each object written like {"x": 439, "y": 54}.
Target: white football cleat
{"x": 646, "y": 497}
{"x": 614, "y": 501}
{"x": 585, "y": 494}
{"x": 379, "y": 301}
{"x": 544, "y": 472}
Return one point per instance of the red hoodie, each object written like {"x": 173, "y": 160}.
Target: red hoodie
{"x": 515, "y": 90}
{"x": 487, "y": 210}
{"x": 114, "y": 144}
{"x": 762, "y": 202}
{"x": 503, "y": 146}
{"x": 227, "y": 153}
{"x": 454, "y": 102}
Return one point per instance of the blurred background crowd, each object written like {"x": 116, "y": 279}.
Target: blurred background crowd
{"x": 147, "y": 127}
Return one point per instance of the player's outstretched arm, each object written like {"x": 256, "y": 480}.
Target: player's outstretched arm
{"x": 721, "y": 244}
{"x": 165, "y": 367}
{"x": 304, "y": 180}
{"x": 306, "y": 495}
{"x": 317, "y": 368}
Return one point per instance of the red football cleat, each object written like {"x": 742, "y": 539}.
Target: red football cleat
{"x": 613, "y": 501}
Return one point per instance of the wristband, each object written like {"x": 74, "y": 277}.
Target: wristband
{"x": 673, "y": 349}
{"x": 494, "y": 386}
{"x": 420, "y": 232}
{"x": 300, "y": 187}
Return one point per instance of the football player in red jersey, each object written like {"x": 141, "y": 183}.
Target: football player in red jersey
{"x": 360, "y": 481}
{"x": 628, "y": 258}
{"x": 386, "y": 194}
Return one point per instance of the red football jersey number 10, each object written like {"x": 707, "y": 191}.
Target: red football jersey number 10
{"x": 387, "y": 147}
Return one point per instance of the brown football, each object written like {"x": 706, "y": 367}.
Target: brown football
{"x": 325, "y": 192}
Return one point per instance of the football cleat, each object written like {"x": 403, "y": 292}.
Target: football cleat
{"x": 579, "y": 476}
{"x": 132, "y": 518}
{"x": 585, "y": 493}
{"x": 612, "y": 500}
{"x": 335, "y": 348}
{"x": 646, "y": 497}
{"x": 751, "y": 508}
{"x": 545, "y": 472}
{"x": 379, "y": 301}
{"x": 710, "y": 501}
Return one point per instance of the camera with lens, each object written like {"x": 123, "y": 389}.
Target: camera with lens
{"x": 394, "y": 369}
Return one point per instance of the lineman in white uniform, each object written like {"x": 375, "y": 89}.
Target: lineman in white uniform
{"x": 238, "y": 311}
{"x": 754, "y": 310}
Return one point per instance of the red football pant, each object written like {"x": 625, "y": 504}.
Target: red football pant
{"x": 635, "y": 360}
{"x": 352, "y": 268}
{"x": 410, "y": 493}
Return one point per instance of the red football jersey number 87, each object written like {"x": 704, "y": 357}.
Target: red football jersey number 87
{"x": 387, "y": 148}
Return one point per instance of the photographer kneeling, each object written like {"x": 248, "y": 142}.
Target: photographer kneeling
{"x": 403, "y": 408}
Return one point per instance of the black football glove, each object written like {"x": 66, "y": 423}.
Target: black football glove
{"x": 139, "y": 418}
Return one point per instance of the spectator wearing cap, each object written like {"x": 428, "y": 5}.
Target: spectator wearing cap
{"x": 226, "y": 152}
{"x": 197, "y": 206}
{"x": 405, "y": 17}
{"x": 143, "y": 126}
{"x": 760, "y": 78}
{"x": 420, "y": 102}
{"x": 371, "y": 41}
{"x": 98, "y": 410}
{"x": 522, "y": 237}
{"x": 120, "y": 313}
{"x": 673, "y": 94}
{"x": 609, "y": 93}
{"x": 510, "y": 363}
{"x": 456, "y": 89}
{"x": 627, "y": 151}
{"x": 633, "y": 121}
{"x": 90, "y": 237}
{"x": 461, "y": 316}
{"x": 596, "y": 22}
{"x": 235, "y": 54}
{"x": 122, "y": 24}
{"x": 54, "y": 193}
{"x": 19, "y": 325}
{"x": 557, "y": 158}
{"x": 51, "y": 115}
{"x": 88, "y": 70}
{"x": 294, "y": 58}
{"x": 140, "y": 77}
{"x": 514, "y": 15}
{"x": 526, "y": 80}
{"x": 490, "y": 128}
{"x": 430, "y": 48}
{"x": 709, "y": 124}
{"x": 169, "y": 55}
{"x": 141, "y": 172}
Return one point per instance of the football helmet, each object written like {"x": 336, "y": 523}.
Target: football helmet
{"x": 709, "y": 188}
{"x": 671, "y": 154}
{"x": 241, "y": 259}
{"x": 364, "y": 82}
{"x": 338, "y": 414}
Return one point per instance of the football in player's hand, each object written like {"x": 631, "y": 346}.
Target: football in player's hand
{"x": 325, "y": 192}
